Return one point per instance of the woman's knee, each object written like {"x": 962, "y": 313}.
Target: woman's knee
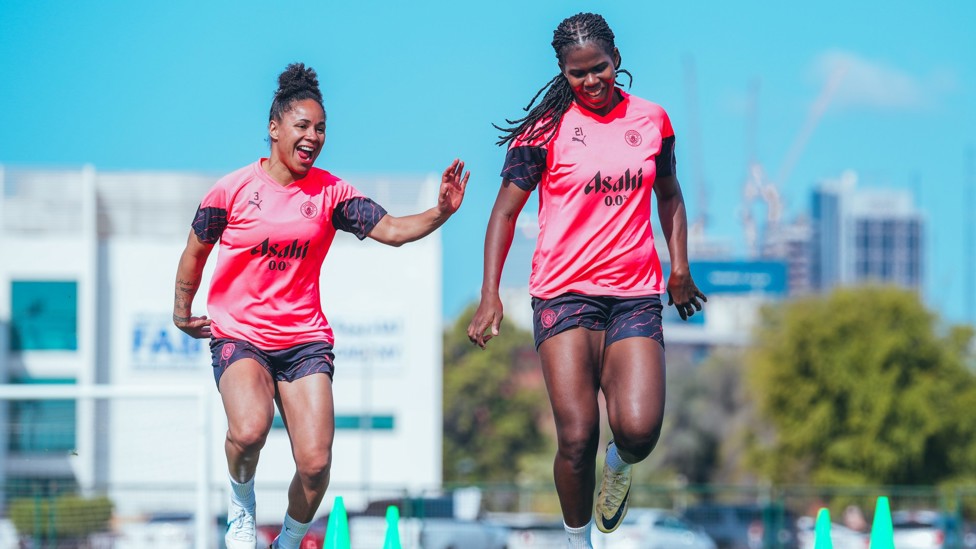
{"x": 638, "y": 441}
{"x": 314, "y": 467}
{"x": 578, "y": 445}
{"x": 248, "y": 436}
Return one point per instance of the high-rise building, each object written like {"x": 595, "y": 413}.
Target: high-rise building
{"x": 864, "y": 235}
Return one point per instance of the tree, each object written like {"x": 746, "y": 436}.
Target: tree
{"x": 861, "y": 389}
{"x": 493, "y": 404}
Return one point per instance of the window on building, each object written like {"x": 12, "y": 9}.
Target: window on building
{"x": 914, "y": 234}
{"x": 43, "y": 315}
{"x": 888, "y": 239}
{"x": 863, "y": 235}
{"x": 912, "y": 276}
{"x": 38, "y": 426}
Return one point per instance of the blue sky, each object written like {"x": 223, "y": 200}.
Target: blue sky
{"x": 408, "y": 86}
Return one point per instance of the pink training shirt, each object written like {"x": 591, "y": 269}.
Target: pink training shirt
{"x": 273, "y": 240}
{"x": 595, "y": 178}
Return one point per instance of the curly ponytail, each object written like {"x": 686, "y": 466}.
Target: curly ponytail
{"x": 296, "y": 83}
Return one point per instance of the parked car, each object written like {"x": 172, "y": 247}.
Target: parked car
{"x": 425, "y": 523}
{"x": 645, "y": 528}
{"x": 841, "y": 537}
{"x": 968, "y": 534}
{"x": 925, "y": 529}
{"x": 745, "y": 526}
{"x": 163, "y": 530}
{"x": 532, "y": 530}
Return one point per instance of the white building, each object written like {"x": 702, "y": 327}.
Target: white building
{"x": 86, "y": 294}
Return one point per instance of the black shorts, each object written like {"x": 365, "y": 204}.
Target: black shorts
{"x": 619, "y": 317}
{"x": 283, "y": 365}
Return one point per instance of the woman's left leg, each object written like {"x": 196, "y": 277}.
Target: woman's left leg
{"x": 633, "y": 383}
{"x": 308, "y": 410}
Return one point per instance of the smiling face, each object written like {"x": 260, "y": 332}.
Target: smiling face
{"x": 297, "y": 139}
{"x": 591, "y": 73}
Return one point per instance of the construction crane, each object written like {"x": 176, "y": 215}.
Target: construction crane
{"x": 758, "y": 186}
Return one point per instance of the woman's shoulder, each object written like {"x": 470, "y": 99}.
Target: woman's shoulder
{"x": 649, "y": 110}
{"x": 646, "y": 105}
{"x": 325, "y": 178}
{"x": 329, "y": 183}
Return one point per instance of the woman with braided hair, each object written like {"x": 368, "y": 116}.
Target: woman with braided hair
{"x": 594, "y": 152}
{"x": 271, "y": 343}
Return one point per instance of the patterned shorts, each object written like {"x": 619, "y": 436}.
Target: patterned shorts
{"x": 619, "y": 317}
{"x": 283, "y": 365}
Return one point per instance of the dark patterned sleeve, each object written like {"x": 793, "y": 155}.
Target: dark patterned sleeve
{"x": 666, "y": 163}
{"x": 209, "y": 223}
{"x": 524, "y": 166}
{"x": 357, "y": 216}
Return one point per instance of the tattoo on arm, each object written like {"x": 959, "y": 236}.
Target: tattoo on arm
{"x": 183, "y": 299}
{"x": 187, "y": 286}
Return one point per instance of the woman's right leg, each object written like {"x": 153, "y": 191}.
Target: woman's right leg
{"x": 571, "y": 366}
{"x": 247, "y": 392}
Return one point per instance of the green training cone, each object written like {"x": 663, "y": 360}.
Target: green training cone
{"x": 392, "y": 540}
{"x": 882, "y": 536}
{"x": 337, "y": 531}
{"x": 821, "y": 534}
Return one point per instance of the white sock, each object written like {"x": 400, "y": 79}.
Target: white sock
{"x": 291, "y": 534}
{"x": 578, "y": 538}
{"x": 614, "y": 461}
{"x": 242, "y": 493}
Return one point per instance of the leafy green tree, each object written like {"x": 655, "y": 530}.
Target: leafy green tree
{"x": 493, "y": 404}
{"x": 861, "y": 388}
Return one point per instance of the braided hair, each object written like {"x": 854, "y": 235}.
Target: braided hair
{"x": 296, "y": 83}
{"x": 573, "y": 31}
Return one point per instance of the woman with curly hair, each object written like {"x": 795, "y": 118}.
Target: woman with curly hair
{"x": 275, "y": 220}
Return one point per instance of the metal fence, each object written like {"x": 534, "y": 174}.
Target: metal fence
{"x": 47, "y": 515}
